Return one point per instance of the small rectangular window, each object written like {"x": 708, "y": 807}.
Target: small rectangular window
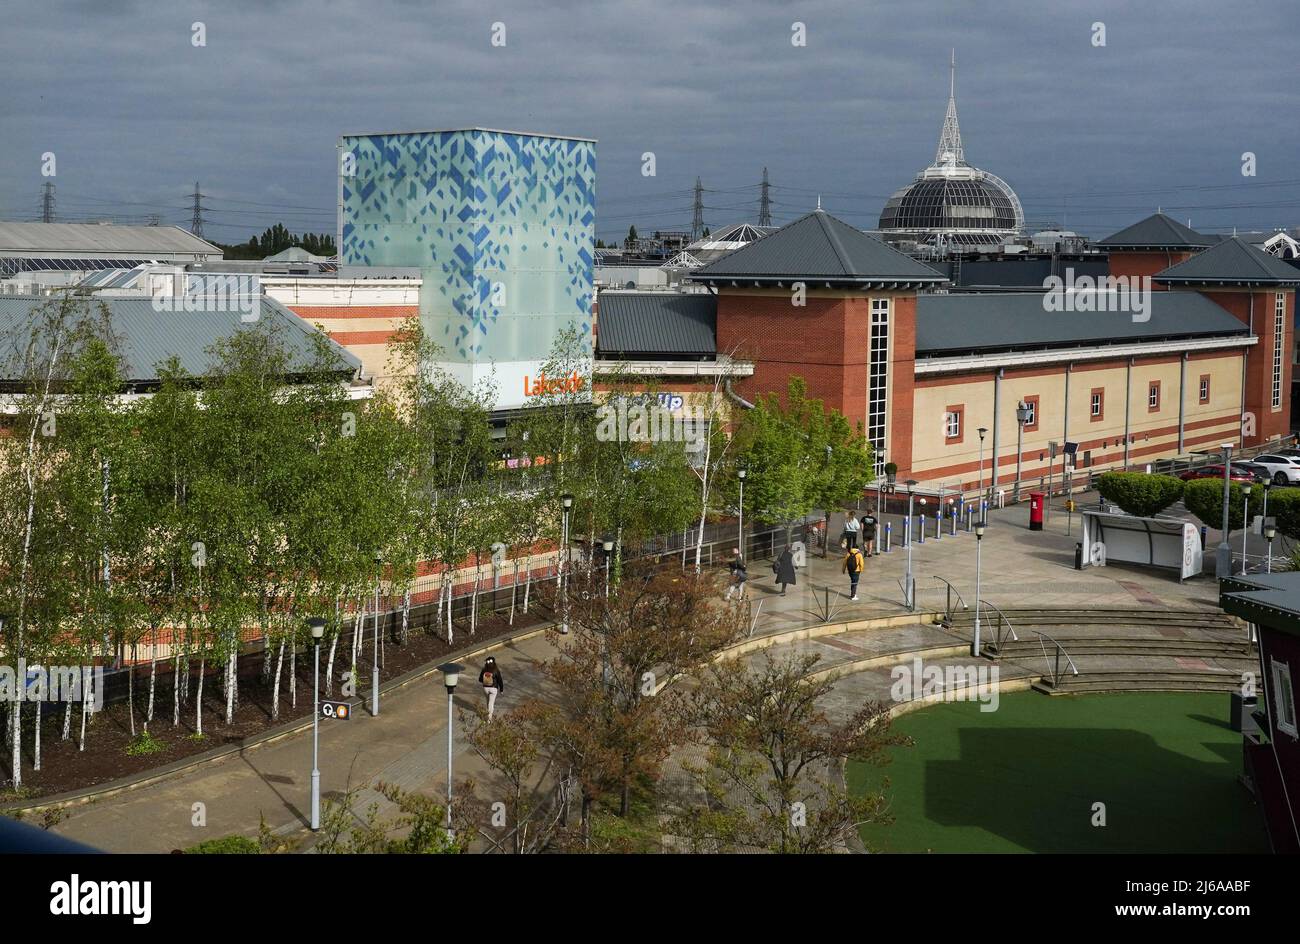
{"x": 952, "y": 423}
{"x": 1096, "y": 404}
{"x": 1153, "y": 396}
{"x": 1284, "y": 698}
{"x": 1205, "y": 388}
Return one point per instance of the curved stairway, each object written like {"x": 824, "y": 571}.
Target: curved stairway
{"x": 1118, "y": 649}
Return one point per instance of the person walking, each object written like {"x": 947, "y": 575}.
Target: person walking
{"x": 851, "y": 528}
{"x": 869, "y": 534}
{"x": 492, "y": 682}
{"x": 738, "y": 575}
{"x": 783, "y": 567}
{"x": 853, "y": 565}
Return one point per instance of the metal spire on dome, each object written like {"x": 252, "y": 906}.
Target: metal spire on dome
{"x": 950, "y": 152}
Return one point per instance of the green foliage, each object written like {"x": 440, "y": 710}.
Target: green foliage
{"x": 144, "y": 743}
{"x": 800, "y": 457}
{"x": 1138, "y": 493}
{"x": 1204, "y": 499}
{"x": 226, "y": 845}
{"x": 1283, "y": 507}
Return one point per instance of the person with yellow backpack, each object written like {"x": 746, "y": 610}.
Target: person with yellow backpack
{"x": 853, "y": 566}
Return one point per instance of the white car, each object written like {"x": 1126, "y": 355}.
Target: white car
{"x": 1284, "y": 469}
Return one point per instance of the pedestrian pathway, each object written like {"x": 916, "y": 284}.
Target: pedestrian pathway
{"x": 406, "y": 744}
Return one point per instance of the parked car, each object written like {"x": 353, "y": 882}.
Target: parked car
{"x": 1283, "y": 470}
{"x": 1215, "y": 471}
{"x": 1260, "y": 472}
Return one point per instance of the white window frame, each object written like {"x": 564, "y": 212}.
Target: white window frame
{"x": 1153, "y": 396}
{"x": 1284, "y": 713}
{"x": 1031, "y": 418}
{"x": 1203, "y": 390}
{"x": 1279, "y": 340}
{"x": 1094, "y": 405}
{"x": 952, "y": 427}
{"x": 878, "y": 380}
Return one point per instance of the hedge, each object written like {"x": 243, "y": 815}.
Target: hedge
{"x": 1138, "y": 493}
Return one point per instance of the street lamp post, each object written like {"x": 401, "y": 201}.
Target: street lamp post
{"x": 450, "y": 676}
{"x": 566, "y": 500}
{"x": 740, "y": 526}
{"x": 1245, "y": 524}
{"x": 1223, "y": 553}
{"x": 608, "y": 545}
{"x": 979, "y": 540}
{"x": 374, "y": 675}
{"x": 1270, "y": 532}
{"x": 907, "y": 590}
{"x": 984, "y": 505}
{"x": 1022, "y": 417}
{"x": 317, "y": 626}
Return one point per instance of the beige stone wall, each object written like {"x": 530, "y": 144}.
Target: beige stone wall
{"x": 938, "y": 460}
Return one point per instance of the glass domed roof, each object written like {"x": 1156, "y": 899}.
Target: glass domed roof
{"x": 952, "y": 199}
{"x": 945, "y": 205}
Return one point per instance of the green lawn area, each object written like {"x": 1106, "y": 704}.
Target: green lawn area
{"x": 1024, "y": 778}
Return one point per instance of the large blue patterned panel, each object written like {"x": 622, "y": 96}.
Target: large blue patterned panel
{"x": 502, "y": 224}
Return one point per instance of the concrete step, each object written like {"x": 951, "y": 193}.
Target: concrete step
{"x": 1171, "y": 682}
{"x": 1129, "y": 645}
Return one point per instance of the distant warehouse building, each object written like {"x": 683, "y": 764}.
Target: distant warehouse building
{"x": 59, "y": 254}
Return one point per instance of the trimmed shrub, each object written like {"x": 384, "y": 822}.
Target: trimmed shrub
{"x": 1204, "y": 499}
{"x": 225, "y": 845}
{"x": 1138, "y": 493}
{"x": 1283, "y": 506}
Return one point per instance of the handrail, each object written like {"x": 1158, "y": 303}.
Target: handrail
{"x": 1055, "y": 670}
{"x": 1003, "y": 619}
{"x": 947, "y": 608}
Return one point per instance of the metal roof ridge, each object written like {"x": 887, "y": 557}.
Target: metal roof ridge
{"x": 834, "y": 239}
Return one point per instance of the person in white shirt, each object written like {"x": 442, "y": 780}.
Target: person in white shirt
{"x": 851, "y": 528}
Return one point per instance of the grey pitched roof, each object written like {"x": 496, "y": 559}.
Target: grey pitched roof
{"x": 150, "y": 337}
{"x": 1231, "y": 262}
{"x": 161, "y": 241}
{"x": 817, "y": 247}
{"x": 957, "y": 323}
{"x": 1271, "y": 599}
{"x": 1156, "y": 232}
{"x": 658, "y": 323}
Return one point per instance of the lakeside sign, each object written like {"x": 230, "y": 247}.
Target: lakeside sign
{"x": 1168, "y": 543}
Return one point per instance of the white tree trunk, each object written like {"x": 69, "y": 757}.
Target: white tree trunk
{"x": 230, "y": 687}
{"x": 275, "y": 688}
{"x": 329, "y": 665}
{"x": 153, "y": 679}
{"x": 67, "y": 719}
{"x": 198, "y": 702}
{"x": 36, "y": 765}
{"x": 176, "y": 691}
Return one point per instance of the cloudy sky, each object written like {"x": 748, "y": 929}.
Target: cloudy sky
{"x": 1091, "y": 137}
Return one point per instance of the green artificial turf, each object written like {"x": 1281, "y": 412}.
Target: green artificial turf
{"x": 1024, "y": 778}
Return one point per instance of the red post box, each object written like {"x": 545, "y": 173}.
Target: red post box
{"x": 1036, "y": 511}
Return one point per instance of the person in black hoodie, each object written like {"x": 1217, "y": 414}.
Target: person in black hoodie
{"x": 783, "y": 567}
{"x": 738, "y": 576}
{"x": 492, "y": 682}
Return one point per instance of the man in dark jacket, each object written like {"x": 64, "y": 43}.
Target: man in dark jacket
{"x": 783, "y": 567}
{"x": 869, "y": 534}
